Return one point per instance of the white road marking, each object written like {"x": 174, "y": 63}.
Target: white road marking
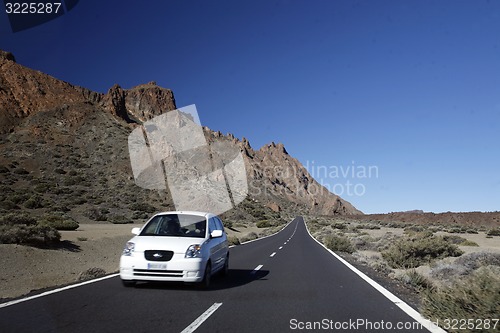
{"x": 17, "y": 301}
{"x": 256, "y": 269}
{"x": 280, "y": 247}
{"x": 272, "y": 254}
{"x": 429, "y": 325}
{"x": 195, "y": 324}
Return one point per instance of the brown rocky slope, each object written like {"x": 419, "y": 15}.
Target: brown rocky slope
{"x": 64, "y": 150}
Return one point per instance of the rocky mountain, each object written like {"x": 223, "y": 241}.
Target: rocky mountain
{"x": 64, "y": 149}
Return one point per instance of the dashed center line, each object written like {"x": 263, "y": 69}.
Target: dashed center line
{"x": 272, "y": 254}
{"x": 280, "y": 247}
{"x": 256, "y": 269}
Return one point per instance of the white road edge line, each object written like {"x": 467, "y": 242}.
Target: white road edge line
{"x": 426, "y": 323}
{"x": 256, "y": 269}
{"x": 273, "y": 254}
{"x": 17, "y": 301}
{"x": 204, "y": 316}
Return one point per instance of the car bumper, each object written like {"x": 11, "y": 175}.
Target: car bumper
{"x": 134, "y": 268}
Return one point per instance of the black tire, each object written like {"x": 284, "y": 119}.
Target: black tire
{"x": 205, "y": 284}
{"x": 225, "y": 269}
{"x": 128, "y": 283}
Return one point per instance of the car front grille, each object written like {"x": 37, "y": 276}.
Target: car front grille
{"x": 157, "y": 272}
{"x": 158, "y": 255}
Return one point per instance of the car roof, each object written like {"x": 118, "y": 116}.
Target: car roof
{"x": 188, "y": 212}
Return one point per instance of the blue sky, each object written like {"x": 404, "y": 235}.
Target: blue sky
{"x": 411, "y": 88}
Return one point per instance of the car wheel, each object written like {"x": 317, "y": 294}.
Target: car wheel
{"x": 128, "y": 284}
{"x": 206, "y": 277}
{"x": 225, "y": 269}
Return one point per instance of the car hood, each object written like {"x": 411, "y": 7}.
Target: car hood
{"x": 167, "y": 243}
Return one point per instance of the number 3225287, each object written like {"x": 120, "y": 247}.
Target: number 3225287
{"x": 32, "y": 7}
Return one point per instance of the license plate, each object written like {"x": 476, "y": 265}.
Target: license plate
{"x": 157, "y": 266}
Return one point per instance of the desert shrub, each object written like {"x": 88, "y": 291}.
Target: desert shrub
{"x": 468, "y": 243}
{"x": 339, "y": 243}
{"x": 8, "y": 205}
{"x": 458, "y": 230}
{"x": 139, "y": 215}
{"x": 59, "y": 222}
{"x": 368, "y": 226}
{"x": 263, "y": 224}
{"x": 475, "y": 260}
{"x": 420, "y": 249}
{"x": 339, "y": 225}
{"x": 447, "y": 271}
{"x": 380, "y": 266}
{"x": 28, "y": 234}
{"x": 249, "y": 237}
{"x": 43, "y": 187}
{"x": 62, "y": 190}
{"x": 97, "y": 214}
{"x": 91, "y": 273}
{"x": 474, "y": 297}
{"x": 233, "y": 240}
{"x": 458, "y": 240}
{"x": 34, "y": 202}
{"x": 119, "y": 219}
{"x": 143, "y": 207}
{"x": 60, "y": 171}
{"x": 19, "y": 198}
{"x": 416, "y": 280}
{"x": 21, "y": 171}
{"x": 59, "y": 208}
{"x": 14, "y": 219}
{"x": 74, "y": 180}
{"x": 227, "y": 223}
{"x": 465, "y": 265}
{"x": 493, "y": 232}
{"x": 78, "y": 201}
{"x": 415, "y": 228}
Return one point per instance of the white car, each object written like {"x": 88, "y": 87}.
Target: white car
{"x": 176, "y": 246}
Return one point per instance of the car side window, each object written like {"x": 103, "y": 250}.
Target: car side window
{"x": 211, "y": 225}
{"x": 220, "y": 226}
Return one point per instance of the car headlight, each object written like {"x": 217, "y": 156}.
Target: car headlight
{"x": 193, "y": 251}
{"x": 129, "y": 248}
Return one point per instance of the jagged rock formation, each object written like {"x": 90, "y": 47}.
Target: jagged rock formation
{"x": 24, "y": 92}
{"x": 276, "y": 177}
{"x": 92, "y": 128}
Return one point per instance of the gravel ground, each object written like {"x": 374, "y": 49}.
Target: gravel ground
{"x": 26, "y": 268}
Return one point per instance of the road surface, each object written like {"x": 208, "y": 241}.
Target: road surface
{"x": 283, "y": 283}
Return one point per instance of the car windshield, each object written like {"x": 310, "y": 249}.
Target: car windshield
{"x": 177, "y": 225}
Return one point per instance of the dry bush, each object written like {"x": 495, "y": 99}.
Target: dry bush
{"x": 473, "y": 298}
{"x": 91, "y": 273}
{"x": 416, "y": 280}
{"x": 339, "y": 243}
{"x": 411, "y": 252}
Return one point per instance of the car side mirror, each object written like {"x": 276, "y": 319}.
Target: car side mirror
{"x": 216, "y": 234}
{"x": 136, "y": 231}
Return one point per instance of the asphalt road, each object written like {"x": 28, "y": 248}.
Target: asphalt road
{"x": 297, "y": 284}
